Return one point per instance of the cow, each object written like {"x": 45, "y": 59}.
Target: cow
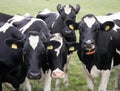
{"x": 55, "y": 20}
{"x": 56, "y": 24}
{"x": 99, "y": 47}
{"x": 36, "y": 32}
{"x": 12, "y": 66}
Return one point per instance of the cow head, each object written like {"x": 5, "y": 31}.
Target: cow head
{"x": 89, "y": 28}
{"x": 68, "y": 11}
{"x": 34, "y": 52}
{"x": 57, "y": 51}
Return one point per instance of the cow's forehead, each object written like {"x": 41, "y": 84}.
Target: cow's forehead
{"x": 34, "y": 40}
{"x": 67, "y": 9}
{"x": 89, "y": 21}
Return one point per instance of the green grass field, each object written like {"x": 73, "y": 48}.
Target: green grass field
{"x": 77, "y": 80}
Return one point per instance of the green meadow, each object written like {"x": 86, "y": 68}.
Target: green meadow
{"x": 77, "y": 81}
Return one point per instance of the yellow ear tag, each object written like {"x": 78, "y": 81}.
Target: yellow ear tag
{"x": 71, "y": 27}
{"x": 50, "y": 47}
{"x": 72, "y": 48}
{"x": 107, "y": 28}
{"x": 14, "y": 46}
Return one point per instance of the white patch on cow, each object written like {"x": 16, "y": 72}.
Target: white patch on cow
{"x": 16, "y": 18}
{"x": 23, "y": 29}
{"x": 45, "y": 11}
{"x": 33, "y": 41}
{"x": 112, "y": 17}
{"x": 117, "y": 51}
{"x": 94, "y": 72}
{"x": 89, "y": 21}
{"x": 5, "y": 27}
{"x": 105, "y": 74}
{"x": 57, "y": 37}
{"x": 47, "y": 81}
{"x": 67, "y": 9}
{"x": 27, "y": 86}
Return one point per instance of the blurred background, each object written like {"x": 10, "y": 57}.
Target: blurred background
{"x": 77, "y": 81}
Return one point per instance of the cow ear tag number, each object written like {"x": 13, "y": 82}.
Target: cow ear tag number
{"x": 14, "y": 46}
{"x": 72, "y": 48}
{"x": 71, "y": 27}
{"x": 107, "y": 28}
{"x": 50, "y": 47}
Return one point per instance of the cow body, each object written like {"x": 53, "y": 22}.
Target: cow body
{"x": 56, "y": 22}
{"x": 36, "y": 32}
{"x": 98, "y": 47}
{"x": 12, "y": 68}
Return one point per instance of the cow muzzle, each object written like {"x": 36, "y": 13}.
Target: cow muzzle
{"x": 34, "y": 75}
{"x": 89, "y": 47}
{"x": 58, "y": 74}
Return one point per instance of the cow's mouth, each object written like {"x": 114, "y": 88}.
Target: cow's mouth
{"x": 90, "y": 52}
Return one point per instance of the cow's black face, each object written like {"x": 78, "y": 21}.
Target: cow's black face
{"x": 34, "y": 52}
{"x": 57, "y": 51}
{"x": 89, "y": 28}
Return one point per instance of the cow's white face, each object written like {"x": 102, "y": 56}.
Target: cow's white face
{"x": 33, "y": 40}
{"x": 57, "y": 37}
{"x": 67, "y": 9}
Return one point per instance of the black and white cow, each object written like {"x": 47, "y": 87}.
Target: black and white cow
{"x": 12, "y": 67}
{"x": 99, "y": 45}
{"x": 57, "y": 50}
{"x": 56, "y": 22}
{"x": 36, "y": 32}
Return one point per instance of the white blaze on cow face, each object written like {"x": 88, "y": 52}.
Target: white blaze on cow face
{"x": 89, "y": 21}
{"x": 34, "y": 41}
{"x": 5, "y": 27}
{"x": 67, "y": 9}
{"x": 57, "y": 37}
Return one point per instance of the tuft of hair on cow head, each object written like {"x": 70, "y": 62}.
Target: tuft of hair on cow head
{"x": 72, "y": 25}
{"x": 14, "y": 43}
{"x": 106, "y": 26}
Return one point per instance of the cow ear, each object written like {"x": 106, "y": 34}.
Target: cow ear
{"x": 59, "y": 8}
{"x": 77, "y": 8}
{"x": 107, "y": 25}
{"x": 13, "y": 43}
{"x": 72, "y": 46}
{"x": 50, "y": 45}
{"x": 71, "y": 24}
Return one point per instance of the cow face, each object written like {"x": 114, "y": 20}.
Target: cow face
{"x": 89, "y": 28}
{"x": 34, "y": 52}
{"x": 57, "y": 51}
{"x": 68, "y": 11}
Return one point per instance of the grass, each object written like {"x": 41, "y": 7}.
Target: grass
{"x": 77, "y": 81}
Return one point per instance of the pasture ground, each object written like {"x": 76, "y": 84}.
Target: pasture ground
{"x": 77, "y": 80}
